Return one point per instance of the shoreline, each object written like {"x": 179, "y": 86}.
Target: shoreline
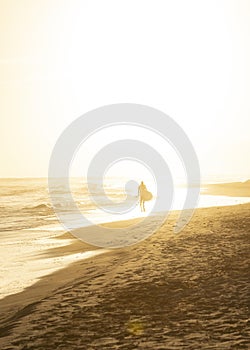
{"x": 173, "y": 265}
{"x": 58, "y": 250}
{"x": 56, "y": 256}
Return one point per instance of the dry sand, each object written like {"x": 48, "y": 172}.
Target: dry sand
{"x": 185, "y": 291}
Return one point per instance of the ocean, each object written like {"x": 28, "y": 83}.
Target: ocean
{"x": 25, "y": 203}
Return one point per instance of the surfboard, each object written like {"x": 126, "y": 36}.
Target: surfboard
{"x": 147, "y": 196}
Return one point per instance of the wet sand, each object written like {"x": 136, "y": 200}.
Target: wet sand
{"x": 184, "y": 291}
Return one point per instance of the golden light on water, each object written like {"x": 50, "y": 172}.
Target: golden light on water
{"x": 135, "y": 327}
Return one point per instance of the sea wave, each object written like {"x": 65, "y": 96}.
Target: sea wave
{"x": 25, "y": 203}
{"x": 40, "y": 207}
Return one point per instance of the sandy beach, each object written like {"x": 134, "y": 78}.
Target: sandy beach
{"x": 185, "y": 291}
{"x": 125, "y": 175}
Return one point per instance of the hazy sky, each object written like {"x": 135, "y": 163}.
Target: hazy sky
{"x": 60, "y": 59}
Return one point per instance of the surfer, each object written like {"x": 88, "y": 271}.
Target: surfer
{"x": 142, "y": 189}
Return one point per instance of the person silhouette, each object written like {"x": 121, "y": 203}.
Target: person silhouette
{"x": 141, "y": 192}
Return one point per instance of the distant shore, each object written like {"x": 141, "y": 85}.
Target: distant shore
{"x": 188, "y": 290}
{"x": 232, "y": 189}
